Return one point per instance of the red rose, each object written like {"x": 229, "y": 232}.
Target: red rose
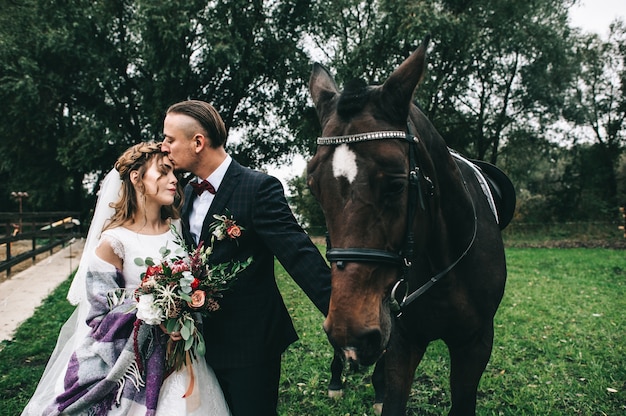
{"x": 195, "y": 283}
{"x": 153, "y": 271}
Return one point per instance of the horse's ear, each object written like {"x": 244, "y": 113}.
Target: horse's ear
{"x": 323, "y": 89}
{"x": 400, "y": 85}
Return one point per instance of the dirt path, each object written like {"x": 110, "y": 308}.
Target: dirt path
{"x": 19, "y": 297}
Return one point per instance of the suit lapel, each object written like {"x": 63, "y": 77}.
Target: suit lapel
{"x": 222, "y": 196}
{"x": 189, "y": 197}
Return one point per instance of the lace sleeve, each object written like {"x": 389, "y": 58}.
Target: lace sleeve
{"x": 116, "y": 245}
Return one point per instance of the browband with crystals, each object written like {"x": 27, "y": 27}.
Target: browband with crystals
{"x": 361, "y": 137}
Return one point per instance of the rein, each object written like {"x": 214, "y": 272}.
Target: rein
{"x": 369, "y": 255}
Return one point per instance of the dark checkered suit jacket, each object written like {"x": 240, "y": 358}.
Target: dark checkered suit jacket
{"x": 253, "y": 323}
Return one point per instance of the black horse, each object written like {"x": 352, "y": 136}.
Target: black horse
{"x": 414, "y": 235}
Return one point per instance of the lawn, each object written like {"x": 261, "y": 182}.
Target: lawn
{"x": 559, "y": 346}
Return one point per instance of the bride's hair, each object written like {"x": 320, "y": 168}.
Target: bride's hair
{"x": 138, "y": 157}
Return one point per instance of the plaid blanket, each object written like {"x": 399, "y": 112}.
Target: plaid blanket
{"x": 120, "y": 363}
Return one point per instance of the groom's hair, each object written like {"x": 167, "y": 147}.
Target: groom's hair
{"x": 208, "y": 117}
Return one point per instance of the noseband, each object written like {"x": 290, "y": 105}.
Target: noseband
{"x": 340, "y": 256}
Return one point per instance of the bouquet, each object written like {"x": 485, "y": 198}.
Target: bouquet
{"x": 181, "y": 289}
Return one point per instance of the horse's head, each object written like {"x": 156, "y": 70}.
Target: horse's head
{"x": 362, "y": 184}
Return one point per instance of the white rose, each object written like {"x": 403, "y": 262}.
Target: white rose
{"x": 148, "y": 312}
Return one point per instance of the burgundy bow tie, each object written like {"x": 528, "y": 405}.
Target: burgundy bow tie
{"x": 200, "y": 187}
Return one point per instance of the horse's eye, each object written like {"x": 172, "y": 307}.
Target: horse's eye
{"x": 312, "y": 185}
{"x": 395, "y": 186}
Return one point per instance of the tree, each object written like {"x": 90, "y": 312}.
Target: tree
{"x": 495, "y": 65}
{"x": 80, "y": 81}
{"x": 498, "y": 75}
{"x": 597, "y": 103}
{"x": 242, "y": 56}
{"x": 37, "y": 69}
{"x": 306, "y": 206}
{"x": 98, "y": 76}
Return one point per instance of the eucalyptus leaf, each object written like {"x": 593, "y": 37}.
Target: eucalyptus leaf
{"x": 188, "y": 343}
{"x": 172, "y": 325}
{"x": 185, "y": 331}
{"x": 201, "y": 348}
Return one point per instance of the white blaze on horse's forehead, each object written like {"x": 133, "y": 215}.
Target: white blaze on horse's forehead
{"x": 344, "y": 163}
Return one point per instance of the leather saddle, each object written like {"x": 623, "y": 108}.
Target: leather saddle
{"x": 502, "y": 190}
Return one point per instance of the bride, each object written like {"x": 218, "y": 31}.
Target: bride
{"x": 101, "y": 364}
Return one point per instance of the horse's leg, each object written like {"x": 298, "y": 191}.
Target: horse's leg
{"x": 335, "y": 387}
{"x": 378, "y": 381}
{"x": 467, "y": 364}
{"x": 401, "y": 361}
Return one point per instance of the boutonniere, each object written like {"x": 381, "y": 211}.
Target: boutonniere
{"x": 225, "y": 227}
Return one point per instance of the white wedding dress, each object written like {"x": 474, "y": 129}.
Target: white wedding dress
{"x": 207, "y": 397}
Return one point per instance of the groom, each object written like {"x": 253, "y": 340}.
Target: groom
{"x": 246, "y": 338}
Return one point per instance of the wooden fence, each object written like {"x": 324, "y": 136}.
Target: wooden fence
{"x": 44, "y": 230}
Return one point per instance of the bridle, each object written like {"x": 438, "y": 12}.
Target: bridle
{"x": 371, "y": 255}
{"x": 340, "y": 256}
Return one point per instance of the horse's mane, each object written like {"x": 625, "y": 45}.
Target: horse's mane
{"x": 352, "y": 99}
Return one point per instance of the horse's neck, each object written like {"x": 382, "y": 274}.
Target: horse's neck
{"x": 450, "y": 210}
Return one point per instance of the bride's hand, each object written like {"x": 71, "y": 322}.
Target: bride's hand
{"x": 174, "y": 336}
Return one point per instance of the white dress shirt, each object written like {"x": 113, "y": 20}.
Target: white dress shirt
{"x": 203, "y": 201}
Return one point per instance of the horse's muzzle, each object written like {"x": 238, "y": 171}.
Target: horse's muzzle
{"x": 363, "y": 347}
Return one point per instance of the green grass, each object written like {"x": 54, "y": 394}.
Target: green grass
{"x": 23, "y": 359}
{"x": 559, "y": 348}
